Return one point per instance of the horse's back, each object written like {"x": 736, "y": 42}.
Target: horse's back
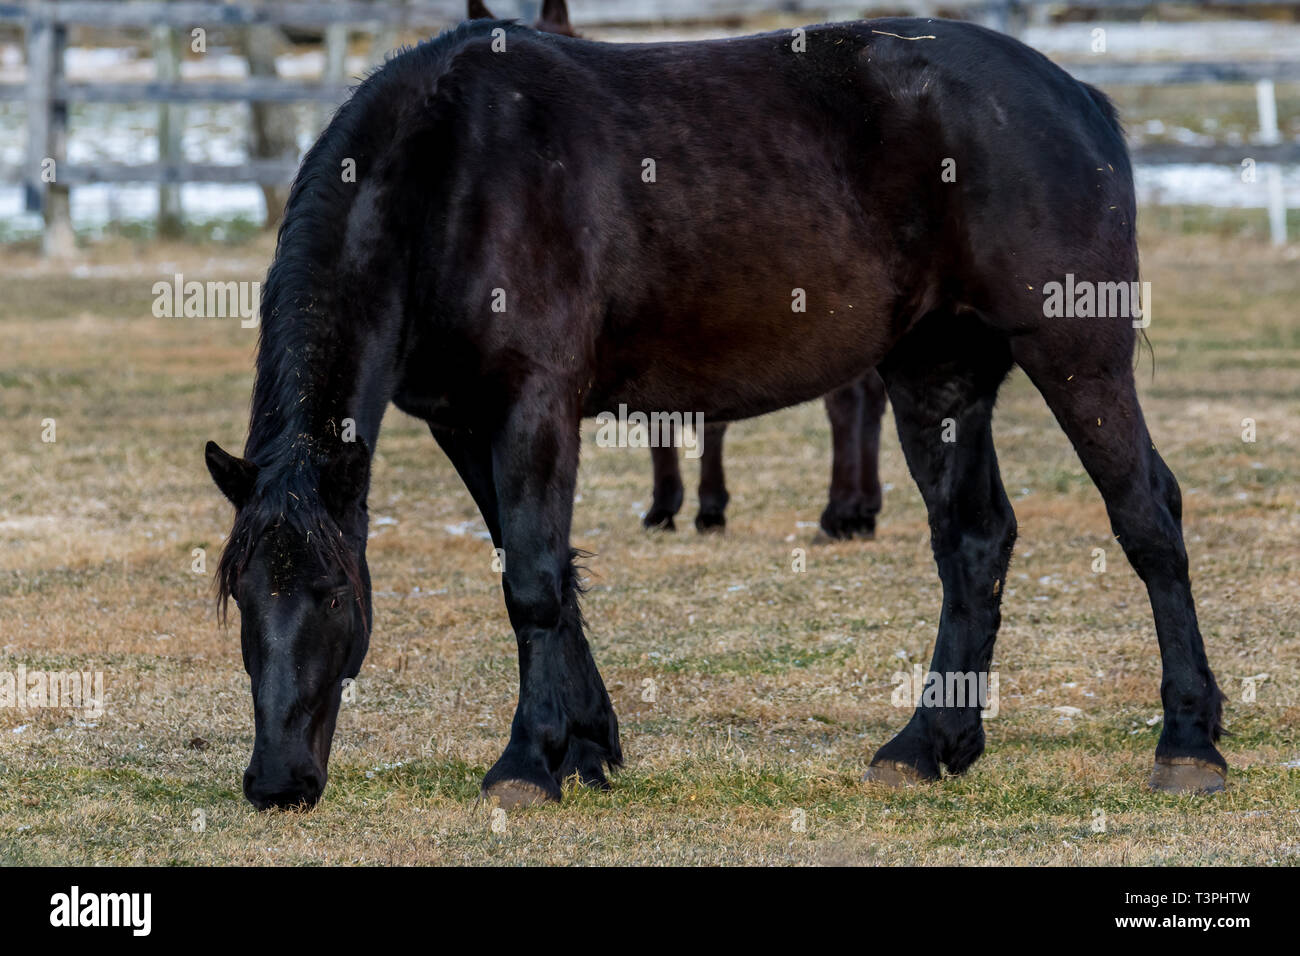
{"x": 727, "y": 212}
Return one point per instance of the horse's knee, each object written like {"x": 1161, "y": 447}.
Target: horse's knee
{"x": 1148, "y": 522}
{"x": 1166, "y": 487}
{"x": 533, "y": 597}
{"x": 972, "y": 527}
{"x": 1004, "y": 519}
{"x": 1157, "y": 556}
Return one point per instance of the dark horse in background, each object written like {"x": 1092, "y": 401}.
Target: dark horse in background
{"x": 854, "y": 411}
{"x": 500, "y": 269}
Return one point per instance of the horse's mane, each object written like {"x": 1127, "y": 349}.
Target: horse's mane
{"x": 292, "y": 429}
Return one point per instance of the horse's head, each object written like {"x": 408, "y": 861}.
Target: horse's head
{"x": 298, "y": 575}
{"x": 554, "y": 17}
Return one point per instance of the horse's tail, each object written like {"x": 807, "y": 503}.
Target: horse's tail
{"x": 1113, "y": 129}
{"x": 1107, "y": 108}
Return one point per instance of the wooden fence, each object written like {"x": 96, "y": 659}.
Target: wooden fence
{"x": 46, "y": 93}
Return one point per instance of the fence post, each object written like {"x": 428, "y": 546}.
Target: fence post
{"x": 383, "y": 41}
{"x": 166, "y": 58}
{"x": 1005, "y": 16}
{"x": 336, "y": 56}
{"x": 1269, "y": 135}
{"x": 47, "y": 132}
{"x": 274, "y": 130}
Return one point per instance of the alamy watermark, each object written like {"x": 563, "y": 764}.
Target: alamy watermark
{"x": 1082, "y": 299}
{"x": 654, "y": 430}
{"x": 53, "y": 690}
{"x": 946, "y": 689}
{"x": 179, "y": 299}
{"x": 132, "y": 911}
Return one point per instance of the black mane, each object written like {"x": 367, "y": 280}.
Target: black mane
{"x": 294, "y": 418}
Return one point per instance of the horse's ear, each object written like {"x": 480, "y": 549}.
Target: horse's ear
{"x": 346, "y": 479}
{"x": 234, "y": 476}
{"x": 478, "y": 11}
{"x": 555, "y": 13}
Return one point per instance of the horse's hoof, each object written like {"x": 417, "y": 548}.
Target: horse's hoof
{"x": 862, "y": 528}
{"x": 1187, "y": 775}
{"x": 658, "y": 522}
{"x": 892, "y": 774}
{"x": 823, "y": 538}
{"x": 710, "y": 523}
{"x": 511, "y": 794}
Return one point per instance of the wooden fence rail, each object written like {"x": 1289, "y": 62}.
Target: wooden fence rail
{"x": 47, "y": 94}
{"x": 425, "y": 14}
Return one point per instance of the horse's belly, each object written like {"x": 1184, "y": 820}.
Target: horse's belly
{"x": 743, "y": 356}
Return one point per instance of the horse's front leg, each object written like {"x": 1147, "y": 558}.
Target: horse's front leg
{"x": 713, "y": 481}
{"x": 564, "y": 722}
{"x": 854, "y": 500}
{"x": 668, "y": 488}
{"x": 872, "y": 413}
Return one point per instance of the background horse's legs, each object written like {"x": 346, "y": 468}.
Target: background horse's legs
{"x": 1092, "y": 395}
{"x": 667, "y": 489}
{"x": 943, "y": 379}
{"x": 524, "y": 483}
{"x": 713, "y": 481}
{"x": 854, "y": 501}
{"x": 873, "y": 413}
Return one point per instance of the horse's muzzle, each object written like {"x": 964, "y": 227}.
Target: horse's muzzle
{"x": 286, "y": 790}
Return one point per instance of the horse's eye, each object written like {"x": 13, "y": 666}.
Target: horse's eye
{"x": 334, "y": 603}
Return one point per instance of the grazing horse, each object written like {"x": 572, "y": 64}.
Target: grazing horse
{"x": 543, "y": 228}
{"x": 854, "y": 411}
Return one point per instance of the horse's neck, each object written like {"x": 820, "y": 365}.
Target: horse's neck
{"x": 313, "y": 391}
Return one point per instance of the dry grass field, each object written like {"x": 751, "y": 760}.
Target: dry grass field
{"x": 773, "y": 688}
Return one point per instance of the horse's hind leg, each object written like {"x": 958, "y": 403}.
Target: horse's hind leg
{"x": 564, "y": 722}
{"x": 854, "y": 411}
{"x": 712, "y": 516}
{"x": 942, "y": 380}
{"x": 668, "y": 488}
{"x": 1090, "y": 390}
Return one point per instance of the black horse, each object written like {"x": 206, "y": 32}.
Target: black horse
{"x": 855, "y": 497}
{"x": 854, "y": 410}
{"x": 543, "y": 228}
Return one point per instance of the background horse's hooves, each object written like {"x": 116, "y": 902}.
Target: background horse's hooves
{"x": 891, "y": 773}
{"x": 1187, "y": 775}
{"x": 845, "y": 529}
{"x": 658, "y": 521}
{"x": 710, "y": 523}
